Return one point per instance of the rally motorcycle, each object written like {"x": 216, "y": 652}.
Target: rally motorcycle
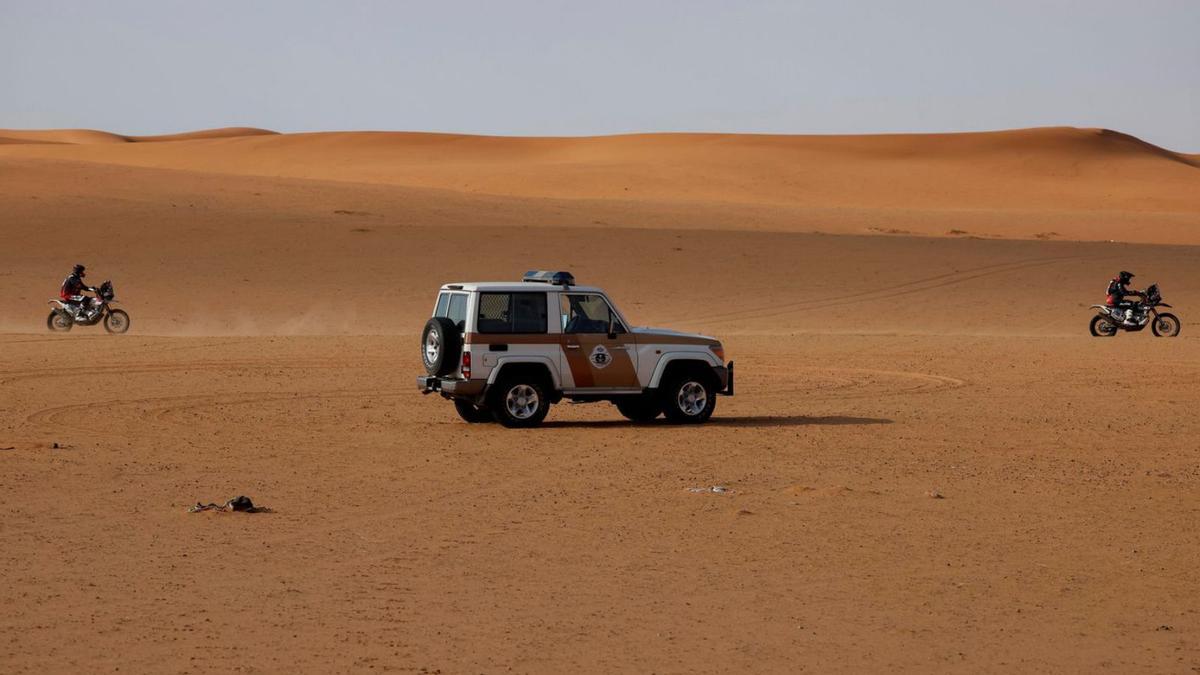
{"x": 1109, "y": 320}
{"x": 67, "y": 314}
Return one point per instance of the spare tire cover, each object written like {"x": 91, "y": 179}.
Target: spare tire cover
{"x": 441, "y": 346}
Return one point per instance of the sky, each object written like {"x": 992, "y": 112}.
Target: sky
{"x": 522, "y": 67}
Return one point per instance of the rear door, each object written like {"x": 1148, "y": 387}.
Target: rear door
{"x": 597, "y": 360}
{"x": 453, "y": 305}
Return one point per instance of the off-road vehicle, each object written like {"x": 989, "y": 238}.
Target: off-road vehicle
{"x": 507, "y": 351}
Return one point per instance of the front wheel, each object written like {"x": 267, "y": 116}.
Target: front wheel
{"x": 519, "y": 402}
{"x": 116, "y": 321}
{"x": 59, "y": 321}
{"x": 1101, "y": 326}
{"x": 641, "y": 408}
{"x": 1165, "y": 325}
{"x": 689, "y": 398}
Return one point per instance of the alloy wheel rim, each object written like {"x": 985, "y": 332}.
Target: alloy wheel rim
{"x": 692, "y": 398}
{"x": 432, "y": 346}
{"x": 522, "y": 401}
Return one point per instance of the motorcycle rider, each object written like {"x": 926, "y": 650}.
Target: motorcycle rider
{"x": 1118, "y": 290}
{"x": 73, "y": 288}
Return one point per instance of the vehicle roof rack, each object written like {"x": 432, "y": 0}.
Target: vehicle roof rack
{"x": 548, "y": 277}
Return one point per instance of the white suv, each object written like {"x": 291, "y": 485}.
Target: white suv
{"x": 507, "y": 351}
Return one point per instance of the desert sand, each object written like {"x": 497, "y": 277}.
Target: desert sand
{"x": 929, "y": 463}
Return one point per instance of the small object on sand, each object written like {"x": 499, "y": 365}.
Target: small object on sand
{"x": 719, "y": 489}
{"x": 54, "y": 446}
{"x": 935, "y": 494}
{"x": 240, "y": 503}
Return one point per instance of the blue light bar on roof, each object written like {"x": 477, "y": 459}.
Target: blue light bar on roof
{"x": 549, "y": 277}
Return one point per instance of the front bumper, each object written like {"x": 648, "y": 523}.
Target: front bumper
{"x": 450, "y": 388}
{"x": 725, "y": 377}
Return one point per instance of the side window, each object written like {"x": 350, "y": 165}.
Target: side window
{"x": 457, "y": 312}
{"x": 493, "y": 313}
{"x": 453, "y": 306}
{"x": 586, "y": 313}
{"x": 512, "y": 313}
{"x": 529, "y": 312}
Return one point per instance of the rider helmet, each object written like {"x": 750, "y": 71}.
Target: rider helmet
{"x": 79, "y": 269}
{"x": 1125, "y": 277}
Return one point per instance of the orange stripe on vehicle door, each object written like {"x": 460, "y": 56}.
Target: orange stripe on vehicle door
{"x": 620, "y": 371}
{"x": 581, "y": 370}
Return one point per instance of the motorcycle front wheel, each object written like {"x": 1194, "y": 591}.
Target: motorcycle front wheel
{"x": 116, "y": 321}
{"x": 1102, "y": 327}
{"x": 59, "y": 322}
{"x": 1165, "y": 325}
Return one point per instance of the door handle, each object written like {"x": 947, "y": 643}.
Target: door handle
{"x": 572, "y": 346}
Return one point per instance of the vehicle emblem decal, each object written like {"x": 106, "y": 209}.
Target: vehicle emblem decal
{"x": 600, "y": 357}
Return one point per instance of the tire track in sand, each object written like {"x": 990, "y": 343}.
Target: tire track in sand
{"x": 898, "y": 290}
{"x": 856, "y": 383}
{"x": 151, "y": 369}
{"x": 166, "y": 408}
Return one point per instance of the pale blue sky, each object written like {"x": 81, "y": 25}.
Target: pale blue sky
{"x": 604, "y": 66}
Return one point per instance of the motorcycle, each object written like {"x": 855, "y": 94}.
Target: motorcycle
{"x": 64, "y": 315}
{"x": 1109, "y": 320}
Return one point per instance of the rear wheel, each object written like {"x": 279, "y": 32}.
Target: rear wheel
{"x": 470, "y": 413}
{"x": 639, "y": 408}
{"x": 689, "y": 398}
{"x": 116, "y": 321}
{"x": 519, "y": 402}
{"x": 1165, "y": 325}
{"x": 59, "y": 321}
{"x": 1101, "y": 326}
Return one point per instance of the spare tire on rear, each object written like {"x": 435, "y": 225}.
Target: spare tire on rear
{"x": 441, "y": 345}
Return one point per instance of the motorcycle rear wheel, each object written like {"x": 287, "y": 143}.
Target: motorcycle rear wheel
{"x": 1102, "y": 327}
{"x": 59, "y": 322}
{"x": 116, "y": 321}
{"x": 1165, "y": 325}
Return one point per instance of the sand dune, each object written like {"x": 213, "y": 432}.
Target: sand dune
{"x": 13, "y": 141}
{"x": 224, "y": 132}
{"x": 94, "y": 137}
{"x": 1092, "y": 183}
{"x": 68, "y": 136}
